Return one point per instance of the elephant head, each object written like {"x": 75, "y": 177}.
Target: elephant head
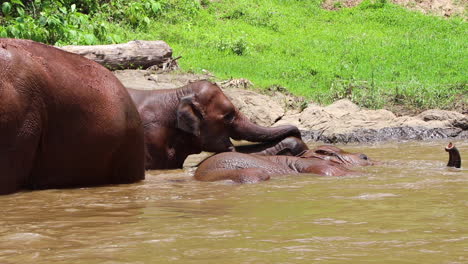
{"x": 332, "y": 153}
{"x": 210, "y": 116}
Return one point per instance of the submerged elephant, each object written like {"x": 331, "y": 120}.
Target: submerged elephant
{"x": 198, "y": 117}
{"x": 454, "y": 156}
{"x": 248, "y": 168}
{"x": 65, "y": 121}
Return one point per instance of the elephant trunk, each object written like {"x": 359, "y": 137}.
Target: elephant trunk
{"x": 454, "y": 156}
{"x": 244, "y": 129}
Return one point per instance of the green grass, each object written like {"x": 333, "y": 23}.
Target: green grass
{"x": 376, "y": 54}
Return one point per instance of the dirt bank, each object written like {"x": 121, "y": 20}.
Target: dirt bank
{"x": 445, "y": 8}
{"x": 341, "y": 121}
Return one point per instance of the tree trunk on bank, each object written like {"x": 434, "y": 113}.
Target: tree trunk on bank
{"x": 138, "y": 54}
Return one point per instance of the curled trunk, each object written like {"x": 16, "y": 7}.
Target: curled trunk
{"x": 244, "y": 129}
{"x": 454, "y": 156}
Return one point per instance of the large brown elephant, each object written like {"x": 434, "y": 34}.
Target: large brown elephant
{"x": 65, "y": 121}
{"x": 249, "y": 168}
{"x": 198, "y": 117}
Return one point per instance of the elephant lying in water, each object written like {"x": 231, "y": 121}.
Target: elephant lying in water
{"x": 244, "y": 168}
{"x": 199, "y": 117}
{"x": 65, "y": 121}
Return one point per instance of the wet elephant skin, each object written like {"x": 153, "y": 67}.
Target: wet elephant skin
{"x": 65, "y": 121}
{"x": 248, "y": 168}
{"x": 454, "y": 156}
{"x": 194, "y": 118}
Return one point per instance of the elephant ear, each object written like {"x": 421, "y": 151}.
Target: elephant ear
{"x": 188, "y": 116}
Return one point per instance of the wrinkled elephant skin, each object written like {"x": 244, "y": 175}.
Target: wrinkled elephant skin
{"x": 194, "y": 118}
{"x": 337, "y": 155}
{"x": 248, "y": 168}
{"x": 65, "y": 121}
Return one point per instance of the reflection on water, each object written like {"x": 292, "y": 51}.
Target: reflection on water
{"x": 410, "y": 209}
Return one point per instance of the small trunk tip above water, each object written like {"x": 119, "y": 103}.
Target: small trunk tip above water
{"x": 454, "y": 156}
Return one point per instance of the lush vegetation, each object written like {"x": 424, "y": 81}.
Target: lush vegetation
{"x": 377, "y": 54}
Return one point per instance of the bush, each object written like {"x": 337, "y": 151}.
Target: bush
{"x": 86, "y": 21}
{"x": 239, "y": 46}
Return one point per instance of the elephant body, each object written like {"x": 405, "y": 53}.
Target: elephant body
{"x": 194, "y": 118}
{"x": 65, "y": 121}
{"x": 248, "y": 168}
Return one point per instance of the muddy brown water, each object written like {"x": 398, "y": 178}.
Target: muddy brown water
{"x": 411, "y": 209}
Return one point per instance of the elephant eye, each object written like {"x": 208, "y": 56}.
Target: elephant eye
{"x": 324, "y": 152}
{"x": 363, "y": 156}
{"x": 229, "y": 117}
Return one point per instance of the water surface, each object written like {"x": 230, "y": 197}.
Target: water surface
{"x": 411, "y": 209}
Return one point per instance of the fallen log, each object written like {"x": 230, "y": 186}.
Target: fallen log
{"x": 137, "y": 54}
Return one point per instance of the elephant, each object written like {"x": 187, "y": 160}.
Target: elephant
{"x": 250, "y": 168}
{"x": 65, "y": 121}
{"x": 199, "y": 117}
{"x": 454, "y": 156}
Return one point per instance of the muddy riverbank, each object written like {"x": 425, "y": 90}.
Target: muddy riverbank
{"x": 340, "y": 122}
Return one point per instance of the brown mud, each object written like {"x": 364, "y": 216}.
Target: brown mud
{"x": 340, "y": 122}
{"x": 446, "y": 8}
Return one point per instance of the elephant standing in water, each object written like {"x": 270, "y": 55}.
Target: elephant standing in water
{"x": 65, "y": 121}
{"x": 199, "y": 117}
{"x": 244, "y": 168}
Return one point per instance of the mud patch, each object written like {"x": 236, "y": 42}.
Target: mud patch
{"x": 339, "y": 4}
{"x": 340, "y": 122}
{"x": 385, "y": 134}
{"x": 445, "y": 8}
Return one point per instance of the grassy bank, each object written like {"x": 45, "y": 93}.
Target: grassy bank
{"x": 377, "y": 54}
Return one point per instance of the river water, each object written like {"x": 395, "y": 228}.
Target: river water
{"x": 410, "y": 209}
